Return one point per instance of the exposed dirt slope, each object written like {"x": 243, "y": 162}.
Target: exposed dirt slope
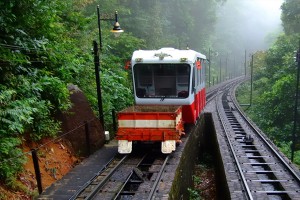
{"x": 59, "y": 157}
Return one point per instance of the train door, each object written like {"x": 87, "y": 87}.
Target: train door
{"x": 195, "y": 104}
{"x": 203, "y": 89}
{"x": 197, "y": 100}
{"x": 198, "y": 88}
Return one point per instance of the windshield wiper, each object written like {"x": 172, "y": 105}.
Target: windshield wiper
{"x": 163, "y": 98}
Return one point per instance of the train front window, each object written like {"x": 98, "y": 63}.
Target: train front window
{"x": 162, "y": 80}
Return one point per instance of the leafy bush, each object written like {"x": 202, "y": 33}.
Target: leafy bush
{"x": 31, "y": 89}
{"x": 12, "y": 158}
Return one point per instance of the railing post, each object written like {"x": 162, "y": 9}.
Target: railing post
{"x": 37, "y": 170}
{"x": 87, "y": 137}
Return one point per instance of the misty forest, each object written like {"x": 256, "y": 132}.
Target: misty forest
{"x": 45, "y": 45}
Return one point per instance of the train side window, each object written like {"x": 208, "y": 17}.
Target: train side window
{"x": 193, "y": 80}
{"x": 203, "y": 72}
{"x": 199, "y": 75}
{"x": 182, "y": 80}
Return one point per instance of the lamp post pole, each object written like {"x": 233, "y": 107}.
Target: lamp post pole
{"x": 116, "y": 30}
{"x": 97, "y": 74}
{"x": 245, "y": 62}
{"x": 99, "y": 27}
{"x": 296, "y": 105}
{"x": 220, "y": 71}
{"x": 97, "y": 71}
{"x": 226, "y": 66}
{"x": 251, "y": 79}
{"x": 209, "y": 59}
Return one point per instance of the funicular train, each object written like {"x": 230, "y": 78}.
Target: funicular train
{"x": 169, "y": 90}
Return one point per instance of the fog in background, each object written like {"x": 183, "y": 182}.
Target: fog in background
{"x": 250, "y": 25}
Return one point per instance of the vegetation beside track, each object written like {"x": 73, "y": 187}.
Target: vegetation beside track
{"x": 46, "y": 45}
{"x": 274, "y": 84}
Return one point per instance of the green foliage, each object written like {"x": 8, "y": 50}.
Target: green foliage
{"x": 197, "y": 180}
{"x": 47, "y": 47}
{"x": 35, "y": 67}
{"x": 285, "y": 147}
{"x": 9, "y": 165}
{"x": 117, "y": 93}
{"x": 194, "y": 194}
{"x": 274, "y": 91}
{"x": 291, "y": 16}
{"x": 172, "y": 23}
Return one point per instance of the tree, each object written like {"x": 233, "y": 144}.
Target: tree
{"x": 291, "y": 16}
{"x": 274, "y": 90}
{"x": 48, "y": 46}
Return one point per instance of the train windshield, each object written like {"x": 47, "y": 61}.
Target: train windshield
{"x": 162, "y": 80}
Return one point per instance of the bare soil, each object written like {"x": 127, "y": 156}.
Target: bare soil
{"x": 55, "y": 160}
{"x": 206, "y": 186}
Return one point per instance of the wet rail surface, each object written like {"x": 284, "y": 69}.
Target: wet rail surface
{"x": 134, "y": 176}
{"x": 263, "y": 172}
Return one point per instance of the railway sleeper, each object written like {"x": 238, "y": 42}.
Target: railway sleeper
{"x": 270, "y": 181}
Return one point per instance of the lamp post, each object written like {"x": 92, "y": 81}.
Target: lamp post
{"x": 296, "y": 105}
{"x": 245, "y": 63}
{"x": 209, "y": 59}
{"x": 220, "y": 71}
{"x": 226, "y": 66}
{"x": 211, "y": 54}
{"x": 116, "y": 30}
{"x": 251, "y": 78}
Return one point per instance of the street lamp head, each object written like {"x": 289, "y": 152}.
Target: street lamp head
{"x": 117, "y": 29}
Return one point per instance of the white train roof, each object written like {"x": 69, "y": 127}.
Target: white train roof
{"x": 165, "y": 55}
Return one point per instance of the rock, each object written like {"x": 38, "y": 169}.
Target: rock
{"x": 73, "y": 123}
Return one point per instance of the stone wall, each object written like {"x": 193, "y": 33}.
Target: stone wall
{"x": 202, "y": 138}
{"x": 187, "y": 156}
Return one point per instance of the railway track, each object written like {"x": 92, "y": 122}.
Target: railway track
{"x": 263, "y": 172}
{"x": 213, "y": 91}
{"x": 134, "y": 176}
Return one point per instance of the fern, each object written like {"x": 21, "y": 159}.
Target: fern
{"x": 16, "y": 115}
{"x": 6, "y": 96}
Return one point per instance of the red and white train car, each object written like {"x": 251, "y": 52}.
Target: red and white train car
{"x": 162, "y": 78}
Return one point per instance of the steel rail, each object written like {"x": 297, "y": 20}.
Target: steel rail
{"x": 258, "y": 132}
{"x": 97, "y": 188}
{"x": 122, "y": 187}
{"x": 128, "y": 178}
{"x": 210, "y": 95}
{"x": 78, "y": 192}
{"x": 158, "y": 178}
{"x": 247, "y": 189}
